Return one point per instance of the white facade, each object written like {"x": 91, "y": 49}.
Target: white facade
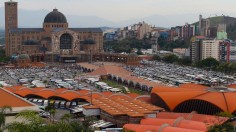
{"x": 211, "y": 48}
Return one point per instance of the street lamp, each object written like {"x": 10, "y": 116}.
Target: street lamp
{"x": 91, "y": 98}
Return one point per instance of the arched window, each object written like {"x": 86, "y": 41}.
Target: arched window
{"x": 66, "y": 41}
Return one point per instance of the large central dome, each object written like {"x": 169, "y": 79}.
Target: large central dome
{"x": 55, "y": 17}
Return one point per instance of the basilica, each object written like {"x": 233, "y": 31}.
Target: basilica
{"x": 55, "y": 41}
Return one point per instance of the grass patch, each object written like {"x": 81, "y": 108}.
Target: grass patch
{"x": 122, "y": 87}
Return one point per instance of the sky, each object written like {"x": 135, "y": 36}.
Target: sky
{"x": 120, "y": 10}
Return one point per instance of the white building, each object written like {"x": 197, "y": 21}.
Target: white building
{"x": 210, "y": 48}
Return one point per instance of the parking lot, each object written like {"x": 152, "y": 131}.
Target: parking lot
{"x": 173, "y": 75}
{"x": 57, "y": 76}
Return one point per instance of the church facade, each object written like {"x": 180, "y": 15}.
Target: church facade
{"x": 55, "y": 41}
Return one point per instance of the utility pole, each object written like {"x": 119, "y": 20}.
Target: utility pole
{"x": 91, "y": 98}
{"x": 91, "y": 56}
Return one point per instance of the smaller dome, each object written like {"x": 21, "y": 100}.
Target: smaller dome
{"x": 23, "y": 56}
{"x": 88, "y": 41}
{"x": 31, "y": 42}
{"x": 133, "y": 55}
{"x": 55, "y": 17}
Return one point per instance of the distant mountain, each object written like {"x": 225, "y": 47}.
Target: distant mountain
{"x": 35, "y": 18}
{"x": 166, "y": 21}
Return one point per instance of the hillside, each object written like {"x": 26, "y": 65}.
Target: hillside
{"x": 230, "y": 24}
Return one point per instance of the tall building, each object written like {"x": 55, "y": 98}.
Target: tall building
{"x": 228, "y": 51}
{"x": 55, "y": 41}
{"x": 188, "y": 31}
{"x": 143, "y": 30}
{"x": 195, "y": 48}
{"x": 11, "y": 22}
{"x": 204, "y": 24}
{"x": 211, "y": 48}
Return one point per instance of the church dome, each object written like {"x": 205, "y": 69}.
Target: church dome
{"x": 55, "y": 17}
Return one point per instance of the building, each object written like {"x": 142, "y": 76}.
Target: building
{"x": 188, "y": 31}
{"x": 181, "y": 52}
{"x": 228, "y": 51}
{"x": 184, "y": 32}
{"x": 210, "y": 48}
{"x": 204, "y": 24}
{"x": 175, "y": 33}
{"x": 55, "y": 40}
{"x": 192, "y": 97}
{"x": 17, "y": 103}
{"x": 121, "y": 110}
{"x": 195, "y": 48}
{"x": 137, "y": 31}
{"x": 143, "y": 29}
{"x": 176, "y": 122}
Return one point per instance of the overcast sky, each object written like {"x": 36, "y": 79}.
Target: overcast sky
{"x": 119, "y": 10}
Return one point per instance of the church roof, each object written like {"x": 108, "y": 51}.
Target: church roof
{"x": 26, "y": 30}
{"x": 99, "y": 30}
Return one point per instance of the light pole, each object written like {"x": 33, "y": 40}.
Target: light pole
{"x": 91, "y": 98}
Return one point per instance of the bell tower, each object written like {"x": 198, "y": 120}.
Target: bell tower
{"x": 11, "y": 22}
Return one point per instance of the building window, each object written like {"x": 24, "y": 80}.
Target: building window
{"x": 66, "y": 41}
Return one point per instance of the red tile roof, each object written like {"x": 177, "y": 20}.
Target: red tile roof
{"x": 11, "y": 100}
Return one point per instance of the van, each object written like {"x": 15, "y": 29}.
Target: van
{"x": 106, "y": 88}
{"x": 115, "y": 90}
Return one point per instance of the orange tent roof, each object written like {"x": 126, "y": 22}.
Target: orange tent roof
{"x": 69, "y": 95}
{"x": 45, "y": 94}
{"x": 132, "y": 95}
{"x": 11, "y": 100}
{"x": 24, "y": 92}
{"x": 187, "y": 124}
{"x": 208, "y": 119}
{"x": 107, "y": 94}
{"x": 221, "y": 98}
{"x": 215, "y": 98}
{"x": 193, "y": 86}
{"x": 172, "y": 99}
{"x": 232, "y": 86}
{"x": 145, "y": 128}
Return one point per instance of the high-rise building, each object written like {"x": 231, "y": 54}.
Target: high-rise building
{"x": 188, "y": 31}
{"x": 11, "y": 22}
{"x": 228, "y": 51}
{"x": 204, "y": 24}
{"x": 211, "y": 48}
{"x": 195, "y": 48}
{"x": 143, "y": 29}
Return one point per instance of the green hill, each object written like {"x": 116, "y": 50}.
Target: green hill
{"x": 230, "y": 24}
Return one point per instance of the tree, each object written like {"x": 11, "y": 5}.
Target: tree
{"x": 52, "y": 113}
{"x": 225, "y": 127}
{"x": 66, "y": 117}
{"x": 210, "y": 62}
{"x": 32, "y": 122}
{"x": 185, "y": 61}
{"x": 156, "y": 57}
{"x": 139, "y": 52}
{"x": 2, "y": 116}
{"x": 170, "y": 58}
